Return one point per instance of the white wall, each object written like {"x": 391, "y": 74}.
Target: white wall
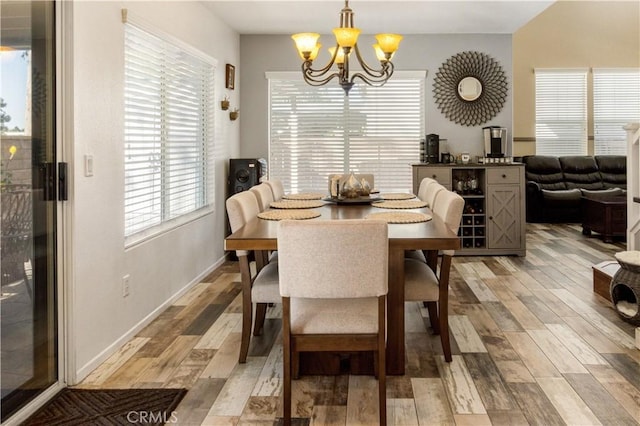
{"x": 160, "y": 268}
{"x": 260, "y": 53}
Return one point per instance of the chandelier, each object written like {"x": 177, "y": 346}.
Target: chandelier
{"x": 347, "y": 43}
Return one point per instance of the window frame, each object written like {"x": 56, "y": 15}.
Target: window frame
{"x": 612, "y": 131}
{"x": 344, "y": 141}
{"x": 549, "y": 129}
{"x": 203, "y": 166}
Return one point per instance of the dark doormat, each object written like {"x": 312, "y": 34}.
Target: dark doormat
{"x": 109, "y": 407}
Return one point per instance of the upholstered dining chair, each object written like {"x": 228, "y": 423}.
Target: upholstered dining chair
{"x": 424, "y": 282}
{"x": 263, "y": 194}
{"x": 261, "y": 288}
{"x": 431, "y": 193}
{"x": 277, "y": 188}
{"x": 334, "y": 300}
{"x": 427, "y": 191}
{"x": 422, "y": 189}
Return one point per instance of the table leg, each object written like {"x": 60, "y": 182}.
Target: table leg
{"x": 395, "y": 313}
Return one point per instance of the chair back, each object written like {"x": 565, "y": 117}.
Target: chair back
{"x": 431, "y": 193}
{"x": 449, "y": 208}
{"x": 241, "y": 208}
{"x": 333, "y": 259}
{"x": 277, "y": 188}
{"x": 263, "y": 194}
{"x": 422, "y": 189}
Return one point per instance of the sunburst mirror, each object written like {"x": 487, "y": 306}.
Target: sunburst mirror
{"x": 470, "y": 88}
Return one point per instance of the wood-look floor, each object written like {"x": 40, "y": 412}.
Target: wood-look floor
{"x": 532, "y": 344}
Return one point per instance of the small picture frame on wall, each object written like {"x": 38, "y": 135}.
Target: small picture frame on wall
{"x": 230, "y": 77}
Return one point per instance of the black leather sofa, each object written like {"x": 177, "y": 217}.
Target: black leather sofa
{"x": 555, "y": 185}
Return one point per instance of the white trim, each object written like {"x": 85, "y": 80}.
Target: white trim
{"x": 297, "y": 75}
{"x": 65, "y": 146}
{"x": 86, "y": 369}
{"x": 26, "y": 411}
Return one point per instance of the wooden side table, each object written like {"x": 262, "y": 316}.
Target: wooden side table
{"x": 607, "y": 216}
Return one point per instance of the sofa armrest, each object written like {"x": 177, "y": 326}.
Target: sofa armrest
{"x": 533, "y": 201}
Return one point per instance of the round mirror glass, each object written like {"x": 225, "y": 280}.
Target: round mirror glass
{"x": 469, "y": 88}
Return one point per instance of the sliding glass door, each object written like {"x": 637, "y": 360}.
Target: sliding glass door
{"x": 28, "y": 314}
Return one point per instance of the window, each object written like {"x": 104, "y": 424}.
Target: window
{"x": 561, "y": 112}
{"x": 168, "y": 132}
{"x": 616, "y": 102}
{"x": 316, "y": 131}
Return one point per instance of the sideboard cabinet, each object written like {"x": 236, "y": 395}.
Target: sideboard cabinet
{"x": 493, "y": 219}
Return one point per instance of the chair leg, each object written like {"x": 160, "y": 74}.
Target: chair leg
{"x": 261, "y": 313}
{"x": 444, "y": 332}
{"x": 286, "y": 364}
{"x": 382, "y": 363}
{"x": 247, "y": 308}
{"x": 432, "y": 307}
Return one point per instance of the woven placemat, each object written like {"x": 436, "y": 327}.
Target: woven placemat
{"x": 397, "y": 196}
{"x": 288, "y": 214}
{"x": 297, "y": 204}
{"x": 400, "y": 217}
{"x": 303, "y": 196}
{"x": 400, "y": 204}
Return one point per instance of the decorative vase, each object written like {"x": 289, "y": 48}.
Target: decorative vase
{"x": 351, "y": 188}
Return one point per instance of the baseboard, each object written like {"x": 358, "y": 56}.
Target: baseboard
{"x": 85, "y": 370}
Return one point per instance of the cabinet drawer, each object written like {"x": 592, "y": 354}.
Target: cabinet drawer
{"x": 506, "y": 175}
{"x": 441, "y": 174}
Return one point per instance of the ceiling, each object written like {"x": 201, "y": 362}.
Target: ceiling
{"x": 375, "y": 16}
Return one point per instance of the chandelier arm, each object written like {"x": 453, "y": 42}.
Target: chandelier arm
{"x": 375, "y": 80}
{"x": 321, "y": 82}
{"x": 376, "y": 73}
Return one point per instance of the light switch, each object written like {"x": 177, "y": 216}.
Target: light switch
{"x": 88, "y": 165}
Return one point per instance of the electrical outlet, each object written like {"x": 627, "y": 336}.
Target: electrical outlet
{"x": 125, "y": 285}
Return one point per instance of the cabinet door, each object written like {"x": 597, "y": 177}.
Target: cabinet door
{"x": 503, "y": 217}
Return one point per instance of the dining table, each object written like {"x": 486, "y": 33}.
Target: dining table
{"x": 261, "y": 235}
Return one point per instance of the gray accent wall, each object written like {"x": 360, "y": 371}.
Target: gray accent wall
{"x": 263, "y": 53}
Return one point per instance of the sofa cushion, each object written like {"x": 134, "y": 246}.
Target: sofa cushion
{"x": 562, "y": 195}
{"x": 613, "y": 170}
{"x": 581, "y": 171}
{"x": 602, "y": 193}
{"x": 545, "y": 171}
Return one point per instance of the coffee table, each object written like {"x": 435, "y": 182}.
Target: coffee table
{"x": 606, "y": 216}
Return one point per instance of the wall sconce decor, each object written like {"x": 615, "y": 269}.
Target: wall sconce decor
{"x": 224, "y": 104}
{"x": 230, "y": 77}
{"x": 233, "y": 115}
{"x": 470, "y": 88}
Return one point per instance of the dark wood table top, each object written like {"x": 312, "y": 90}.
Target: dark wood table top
{"x": 260, "y": 234}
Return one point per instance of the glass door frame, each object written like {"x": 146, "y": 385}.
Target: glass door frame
{"x": 63, "y": 125}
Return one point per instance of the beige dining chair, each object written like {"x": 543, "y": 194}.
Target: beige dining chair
{"x": 261, "y": 288}
{"x": 431, "y": 193}
{"x": 334, "y": 300}
{"x": 263, "y": 194}
{"x": 277, "y": 188}
{"x": 422, "y": 189}
{"x": 425, "y": 283}
{"x": 427, "y": 191}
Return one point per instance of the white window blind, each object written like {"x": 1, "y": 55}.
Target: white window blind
{"x": 561, "y": 112}
{"x": 169, "y": 102}
{"x": 616, "y": 102}
{"x": 317, "y": 131}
